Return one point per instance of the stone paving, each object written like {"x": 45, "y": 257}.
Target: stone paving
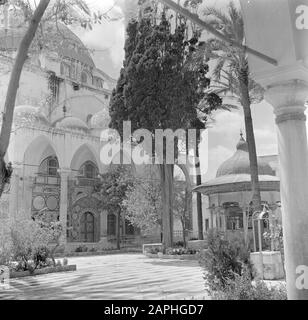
{"x": 115, "y": 277}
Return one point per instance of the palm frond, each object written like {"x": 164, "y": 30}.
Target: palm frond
{"x": 218, "y": 15}
{"x": 82, "y": 5}
{"x": 228, "y": 107}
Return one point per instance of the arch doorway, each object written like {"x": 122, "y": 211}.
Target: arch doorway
{"x": 87, "y": 227}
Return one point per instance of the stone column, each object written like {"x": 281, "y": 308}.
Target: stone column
{"x": 288, "y": 99}
{"x": 64, "y": 173}
{"x": 14, "y": 211}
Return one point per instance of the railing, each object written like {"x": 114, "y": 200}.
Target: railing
{"x": 50, "y": 180}
{"x": 87, "y": 182}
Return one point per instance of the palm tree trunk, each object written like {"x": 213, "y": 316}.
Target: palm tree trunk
{"x": 199, "y": 196}
{"x": 9, "y": 105}
{"x": 255, "y": 186}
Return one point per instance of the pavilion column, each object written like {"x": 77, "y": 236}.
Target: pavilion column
{"x": 244, "y": 206}
{"x": 288, "y": 99}
{"x": 64, "y": 173}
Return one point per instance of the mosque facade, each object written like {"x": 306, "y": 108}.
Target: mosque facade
{"x": 62, "y": 106}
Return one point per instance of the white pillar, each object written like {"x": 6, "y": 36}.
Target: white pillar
{"x": 288, "y": 99}
{"x": 64, "y": 173}
{"x": 14, "y": 194}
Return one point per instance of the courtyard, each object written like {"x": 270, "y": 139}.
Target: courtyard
{"x": 114, "y": 277}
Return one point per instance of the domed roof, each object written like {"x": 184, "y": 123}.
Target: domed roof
{"x": 64, "y": 41}
{"x": 72, "y": 123}
{"x": 68, "y": 44}
{"x": 28, "y": 115}
{"x": 100, "y": 120}
{"x": 239, "y": 163}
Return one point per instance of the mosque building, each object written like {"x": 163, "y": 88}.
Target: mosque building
{"x": 62, "y": 106}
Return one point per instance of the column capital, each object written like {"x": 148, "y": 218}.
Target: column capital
{"x": 288, "y": 99}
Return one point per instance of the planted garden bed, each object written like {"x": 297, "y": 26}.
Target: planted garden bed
{"x": 174, "y": 256}
{"x": 47, "y": 270}
{"x": 176, "y": 253}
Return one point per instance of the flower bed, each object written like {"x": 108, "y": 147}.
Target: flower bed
{"x": 47, "y": 270}
{"x": 98, "y": 253}
{"x": 173, "y": 253}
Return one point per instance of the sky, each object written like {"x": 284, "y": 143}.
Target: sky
{"x": 108, "y": 40}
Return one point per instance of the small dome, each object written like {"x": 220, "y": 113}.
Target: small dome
{"x": 100, "y": 120}
{"x": 239, "y": 163}
{"x": 72, "y": 123}
{"x": 29, "y": 115}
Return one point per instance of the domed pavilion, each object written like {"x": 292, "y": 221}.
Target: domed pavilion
{"x": 229, "y": 193}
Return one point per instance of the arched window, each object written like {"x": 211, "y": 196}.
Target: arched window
{"x": 65, "y": 69}
{"x": 111, "y": 224}
{"x": 84, "y": 77}
{"x": 89, "y": 170}
{"x": 49, "y": 167}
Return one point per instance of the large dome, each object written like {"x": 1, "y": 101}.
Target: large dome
{"x": 60, "y": 39}
{"x": 239, "y": 163}
{"x": 29, "y": 116}
{"x": 72, "y": 123}
{"x": 67, "y": 44}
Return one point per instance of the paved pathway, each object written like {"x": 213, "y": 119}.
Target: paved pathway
{"x": 115, "y": 277}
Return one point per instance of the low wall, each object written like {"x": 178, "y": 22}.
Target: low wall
{"x": 271, "y": 264}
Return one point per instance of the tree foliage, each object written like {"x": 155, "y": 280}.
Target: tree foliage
{"x": 113, "y": 187}
{"x": 143, "y": 204}
{"x": 154, "y": 90}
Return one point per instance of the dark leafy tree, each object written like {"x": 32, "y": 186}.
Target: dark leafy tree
{"x": 156, "y": 90}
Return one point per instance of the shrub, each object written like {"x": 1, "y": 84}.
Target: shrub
{"x": 181, "y": 251}
{"x": 223, "y": 260}
{"x": 82, "y": 249}
{"x": 58, "y": 263}
{"x": 5, "y": 245}
{"x": 41, "y": 256}
{"x": 179, "y": 244}
{"x": 154, "y": 250}
{"x": 242, "y": 288}
{"x": 65, "y": 262}
{"x": 29, "y": 244}
{"x": 24, "y": 245}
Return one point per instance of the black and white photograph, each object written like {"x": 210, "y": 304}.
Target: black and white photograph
{"x": 153, "y": 154}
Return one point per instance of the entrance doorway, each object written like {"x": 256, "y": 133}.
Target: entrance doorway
{"x": 87, "y": 227}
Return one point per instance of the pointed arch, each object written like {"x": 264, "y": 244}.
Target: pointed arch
{"x": 37, "y": 151}
{"x": 85, "y": 153}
